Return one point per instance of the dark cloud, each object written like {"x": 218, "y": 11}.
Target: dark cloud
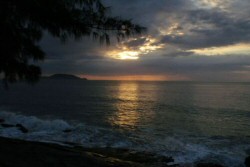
{"x": 220, "y": 29}
{"x": 135, "y": 42}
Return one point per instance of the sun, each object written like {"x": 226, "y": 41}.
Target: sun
{"x": 124, "y": 55}
{"x": 124, "y": 52}
{"x": 128, "y": 55}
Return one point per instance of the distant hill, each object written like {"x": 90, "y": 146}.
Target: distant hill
{"x": 65, "y": 76}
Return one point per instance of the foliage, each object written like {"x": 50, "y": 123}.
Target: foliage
{"x": 23, "y": 23}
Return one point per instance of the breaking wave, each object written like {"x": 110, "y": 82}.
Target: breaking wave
{"x": 185, "y": 150}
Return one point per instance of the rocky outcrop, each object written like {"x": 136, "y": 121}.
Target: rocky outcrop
{"x": 4, "y": 125}
{"x": 247, "y": 161}
{"x": 208, "y": 165}
{"x": 134, "y": 156}
{"x": 2, "y": 120}
{"x": 18, "y": 126}
{"x": 67, "y": 130}
{"x": 22, "y": 128}
{"x": 18, "y": 153}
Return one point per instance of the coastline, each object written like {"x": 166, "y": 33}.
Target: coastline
{"x": 146, "y": 117}
{"x": 20, "y": 153}
{"x": 23, "y": 152}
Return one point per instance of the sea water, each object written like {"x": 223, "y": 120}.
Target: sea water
{"x": 191, "y": 121}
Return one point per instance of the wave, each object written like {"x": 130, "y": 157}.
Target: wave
{"x": 184, "y": 149}
{"x": 60, "y": 131}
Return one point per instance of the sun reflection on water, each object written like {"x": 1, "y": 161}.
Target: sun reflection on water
{"x": 126, "y": 115}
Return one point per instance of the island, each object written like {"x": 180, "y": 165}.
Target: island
{"x": 65, "y": 77}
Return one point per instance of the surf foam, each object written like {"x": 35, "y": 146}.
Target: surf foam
{"x": 184, "y": 150}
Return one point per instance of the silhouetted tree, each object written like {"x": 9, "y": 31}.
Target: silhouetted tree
{"x": 23, "y": 22}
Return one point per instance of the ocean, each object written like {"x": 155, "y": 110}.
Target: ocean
{"x": 190, "y": 121}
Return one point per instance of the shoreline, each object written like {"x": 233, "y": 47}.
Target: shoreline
{"x": 20, "y": 153}
{"x": 16, "y": 152}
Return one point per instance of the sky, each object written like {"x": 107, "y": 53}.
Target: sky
{"x": 186, "y": 40}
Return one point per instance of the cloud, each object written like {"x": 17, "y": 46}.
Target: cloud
{"x": 180, "y": 34}
{"x": 209, "y": 28}
{"x": 135, "y": 43}
{"x": 237, "y": 49}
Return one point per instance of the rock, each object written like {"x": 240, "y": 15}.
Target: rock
{"x": 67, "y": 130}
{"x": 247, "y": 161}
{"x": 22, "y": 128}
{"x": 19, "y": 126}
{"x": 145, "y": 158}
{"x": 208, "y": 165}
{"x": 2, "y": 120}
{"x": 7, "y": 125}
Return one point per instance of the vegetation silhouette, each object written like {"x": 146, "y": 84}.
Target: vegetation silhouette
{"x": 24, "y": 22}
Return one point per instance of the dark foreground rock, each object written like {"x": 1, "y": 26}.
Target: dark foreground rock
{"x": 67, "y": 130}
{"x": 2, "y": 120}
{"x": 22, "y": 128}
{"x": 138, "y": 157}
{"x": 18, "y": 153}
{"x": 247, "y": 161}
{"x": 208, "y": 165}
{"x": 18, "y": 126}
{"x": 7, "y": 125}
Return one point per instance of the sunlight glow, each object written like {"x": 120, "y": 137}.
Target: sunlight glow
{"x": 144, "y": 77}
{"x": 123, "y": 55}
{"x": 124, "y": 52}
{"x": 237, "y": 49}
{"x": 208, "y": 4}
{"x": 127, "y": 115}
{"x": 174, "y": 30}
